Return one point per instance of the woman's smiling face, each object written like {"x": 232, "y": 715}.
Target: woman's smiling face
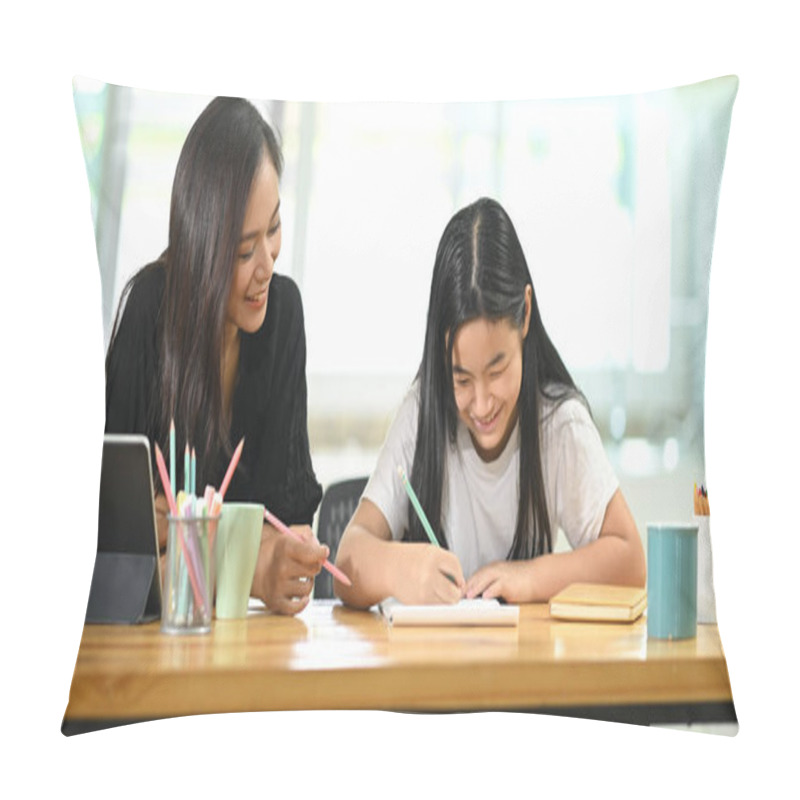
{"x": 259, "y": 246}
{"x": 487, "y": 376}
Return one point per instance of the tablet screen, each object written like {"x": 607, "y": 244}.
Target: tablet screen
{"x": 126, "y": 519}
{"x": 126, "y": 582}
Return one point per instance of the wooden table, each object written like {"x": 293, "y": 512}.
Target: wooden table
{"x": 332, "y": 657}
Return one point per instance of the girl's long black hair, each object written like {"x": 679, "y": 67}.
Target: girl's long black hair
{"x": 481, "y": 271}
{"x": 213, "y": 178}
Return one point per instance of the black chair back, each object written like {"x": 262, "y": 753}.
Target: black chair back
{"x": 339, "y": 503}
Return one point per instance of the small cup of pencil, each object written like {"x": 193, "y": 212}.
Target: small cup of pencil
{"x": 706, "y": 603}
{"x": 188, "y": 596}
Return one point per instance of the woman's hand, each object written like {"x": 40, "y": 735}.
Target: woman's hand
{"x": 427, "y": 574}
{"x": 286, "y": 568}
{"x": 161, "y": 521}
{"x": 509, "y": 580}
{"x": 161, "y": 510}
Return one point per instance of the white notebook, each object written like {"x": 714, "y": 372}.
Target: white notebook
{"x": 466, "y": 612}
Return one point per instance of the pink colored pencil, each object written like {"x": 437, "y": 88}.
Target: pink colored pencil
{"x": 231, "y": 467}
{"x": 335, "y": 571}
{"x": 213, "y": 506}
{"x": 162, "y": 471}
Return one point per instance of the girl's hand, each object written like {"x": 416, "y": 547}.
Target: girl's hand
{"x": 286, "y": 568}
{"x": 509, "y": 580}
{"x": 427, "y": 574}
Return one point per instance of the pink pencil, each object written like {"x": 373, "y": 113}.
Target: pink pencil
{"x": 214, "y": 501}
{"x": 231, "y": 467}
{"x": 213, "y": 504}
{"x": 335, "y": 571}
{"x": 162, "y": 471}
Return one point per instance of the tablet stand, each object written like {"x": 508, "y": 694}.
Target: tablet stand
{"x": 124, "y": 589}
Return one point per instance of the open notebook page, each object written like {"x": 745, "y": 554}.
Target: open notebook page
{"x": 466, "y": 612}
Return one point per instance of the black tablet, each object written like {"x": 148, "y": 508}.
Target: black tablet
{"x": 126, "y": 583}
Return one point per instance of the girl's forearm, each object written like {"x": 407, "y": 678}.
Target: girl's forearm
{"x": 609, "y": 559}
{"x": 368, "y": 562}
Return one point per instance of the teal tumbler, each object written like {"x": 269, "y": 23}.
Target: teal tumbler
{"x": 672, "y": 581}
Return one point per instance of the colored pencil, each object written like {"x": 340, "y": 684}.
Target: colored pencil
{"x": 275, "y": 522}
{"x": 187, "y": 470}
{"x": 172, "y": 475}
{"x": 212, "y": 509}
{"x": 231, "y": 467}
{"x": 208, "y": 497}
{"x": 417, "y": 507}
{"x": 701, "y": 501}
{"x": 162, "y": 470}
{"x": 193, "y": 482}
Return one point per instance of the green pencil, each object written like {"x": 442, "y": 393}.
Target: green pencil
{"x": 417, "y": 507}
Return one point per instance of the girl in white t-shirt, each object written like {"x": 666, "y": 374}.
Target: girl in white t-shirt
{"x": 498, "y": 444}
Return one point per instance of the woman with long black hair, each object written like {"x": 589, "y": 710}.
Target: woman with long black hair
{"x": 211, "y": 337}
{"x": 499, "y": 446}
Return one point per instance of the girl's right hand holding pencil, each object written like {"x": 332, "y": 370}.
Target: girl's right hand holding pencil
{"x": 379, "y": 567}
{"x": 425, "y": 574}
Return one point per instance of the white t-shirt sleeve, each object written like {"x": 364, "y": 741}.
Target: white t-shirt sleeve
{"x": 384, "y": 488}
{"x": 584, "y": 478}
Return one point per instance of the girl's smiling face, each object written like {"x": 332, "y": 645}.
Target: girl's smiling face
{"x": 487, "y": 376}
{"x": 259, "y": 246}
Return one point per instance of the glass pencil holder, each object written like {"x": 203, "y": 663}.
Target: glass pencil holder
{"x": 188, "y": 599}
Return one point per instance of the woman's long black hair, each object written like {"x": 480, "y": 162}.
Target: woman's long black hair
{"x": 481, "y": 271}
{"x": 215, "y": 172}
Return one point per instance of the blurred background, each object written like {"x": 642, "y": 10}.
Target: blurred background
{"x": 614, "y": 201}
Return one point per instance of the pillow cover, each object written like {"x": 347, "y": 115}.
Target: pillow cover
{"x": 614, "y": 200}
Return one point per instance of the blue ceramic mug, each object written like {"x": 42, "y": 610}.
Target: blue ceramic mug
{"x": 672, "y": 580}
